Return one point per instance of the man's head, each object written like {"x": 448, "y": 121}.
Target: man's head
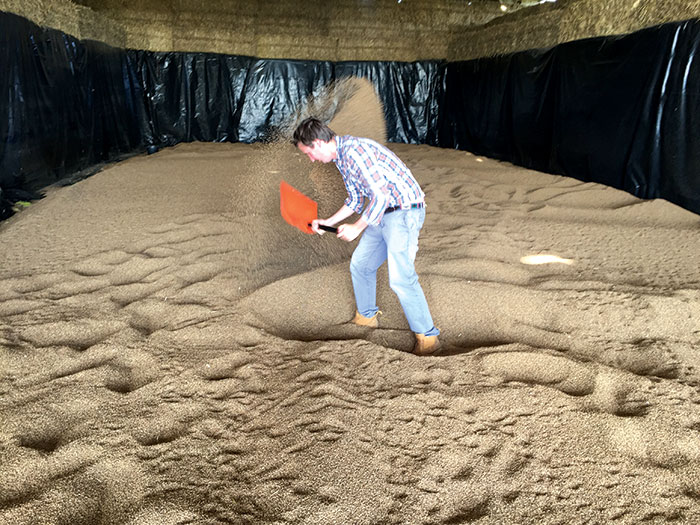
{"x": 311, "y": 129}
{"x": 315, "y": 140}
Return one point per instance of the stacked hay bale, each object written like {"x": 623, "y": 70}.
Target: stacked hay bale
{"x": 346, "y": 29}
{"x": 317, "y": 30}
{"x": 549, "y": 24}
{"x": 76, "y": 20}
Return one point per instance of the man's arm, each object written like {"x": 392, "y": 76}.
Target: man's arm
{"x": 349, "y": 232}
{"x": 342, "y": 214}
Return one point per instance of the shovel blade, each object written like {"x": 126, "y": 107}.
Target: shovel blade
{"x": 296, "y": 208}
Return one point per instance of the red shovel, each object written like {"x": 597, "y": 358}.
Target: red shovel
{"x": 298, "y": 210}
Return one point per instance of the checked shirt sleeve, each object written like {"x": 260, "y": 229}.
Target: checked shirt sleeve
{"x": 355, "y": 200}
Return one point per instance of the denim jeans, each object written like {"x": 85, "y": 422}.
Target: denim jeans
{"x": 395, "y": 240}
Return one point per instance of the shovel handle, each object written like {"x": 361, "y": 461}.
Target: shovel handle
{"x": 325, "y": 228}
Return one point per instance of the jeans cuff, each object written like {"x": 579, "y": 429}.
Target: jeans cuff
{"x": 369, "y": 313}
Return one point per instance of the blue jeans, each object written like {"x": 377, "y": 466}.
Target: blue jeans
{"x": 395, "y": 240}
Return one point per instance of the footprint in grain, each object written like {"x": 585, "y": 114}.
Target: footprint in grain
{"x": 130, "y": 371}
{"x": 558, "y": 372}
{"x": 100, "y": 263}
{"x": 136, "y": 270}
{"x": 33, "y": 283}
{"x": 608, "y": 392}
{"x": 656, "y": 445}
{"x": 464, "y": 482}
{"x": 79, "y": 334}
{"x": 109, "y": 492}
{"x": 226, "y": 367}
{"x": 150, "y": 315}
{"x": 72, "y": 287}
{"x": 23, "y": 476}
{"x": 51, "y": 429}
{"x": 234, "y": 375}
{"x": 120, "y": 484}
{"x": 616, "y": 393}
{"x": 19, "y": 306}
{"x": 167, "y": 425}
{"x": 646, "y": 358}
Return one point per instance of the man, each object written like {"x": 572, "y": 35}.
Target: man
{"x": 392, "y": 218}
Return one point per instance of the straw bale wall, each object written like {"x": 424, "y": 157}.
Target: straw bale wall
{"x": 549, "y": 24}
{"x": 59, "y": 14}
{"x": 346, "y": 29}
{"x": 314, "y": 29}
{"x": 76, "y": 20}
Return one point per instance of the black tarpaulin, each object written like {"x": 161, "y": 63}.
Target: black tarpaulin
{"x": 207, "y": 97}
{"x": 66, "y": 104}
{"x": 623, "y": 111}
{"x": 409, "y": 93}
{"x": 71, "y": 104}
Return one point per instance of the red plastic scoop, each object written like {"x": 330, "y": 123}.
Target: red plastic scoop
{"x": 299, "y": 210}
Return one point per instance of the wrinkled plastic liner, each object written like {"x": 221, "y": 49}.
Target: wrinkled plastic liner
{"x": 621, "y": 111}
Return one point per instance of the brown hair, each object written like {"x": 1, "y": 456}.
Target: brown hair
{"x": 311, "y": 129}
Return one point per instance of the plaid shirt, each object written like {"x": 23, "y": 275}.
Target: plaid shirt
{"x": 373, "y": 173}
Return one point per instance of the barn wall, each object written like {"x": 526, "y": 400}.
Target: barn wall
{"x": 345, "y": 29}
{"x": 550, "y": 24}
{"x": 69, "y": 17}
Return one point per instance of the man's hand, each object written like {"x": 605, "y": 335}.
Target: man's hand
{"x": 350, "y": 232}
{"x": 316, "y": 222}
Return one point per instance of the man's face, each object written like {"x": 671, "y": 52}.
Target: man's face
{"x": 318, "y": 151}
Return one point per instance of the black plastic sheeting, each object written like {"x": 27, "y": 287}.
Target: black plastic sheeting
{"x": 622, "y": 111}
{"x": 71, "y": 104}
{"x": 65, "y": 105}
{"x": 209, "y": 97}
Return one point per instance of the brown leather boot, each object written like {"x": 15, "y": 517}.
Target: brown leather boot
{"x": 361, "y": 320}
{"x": 426, "y": 344}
